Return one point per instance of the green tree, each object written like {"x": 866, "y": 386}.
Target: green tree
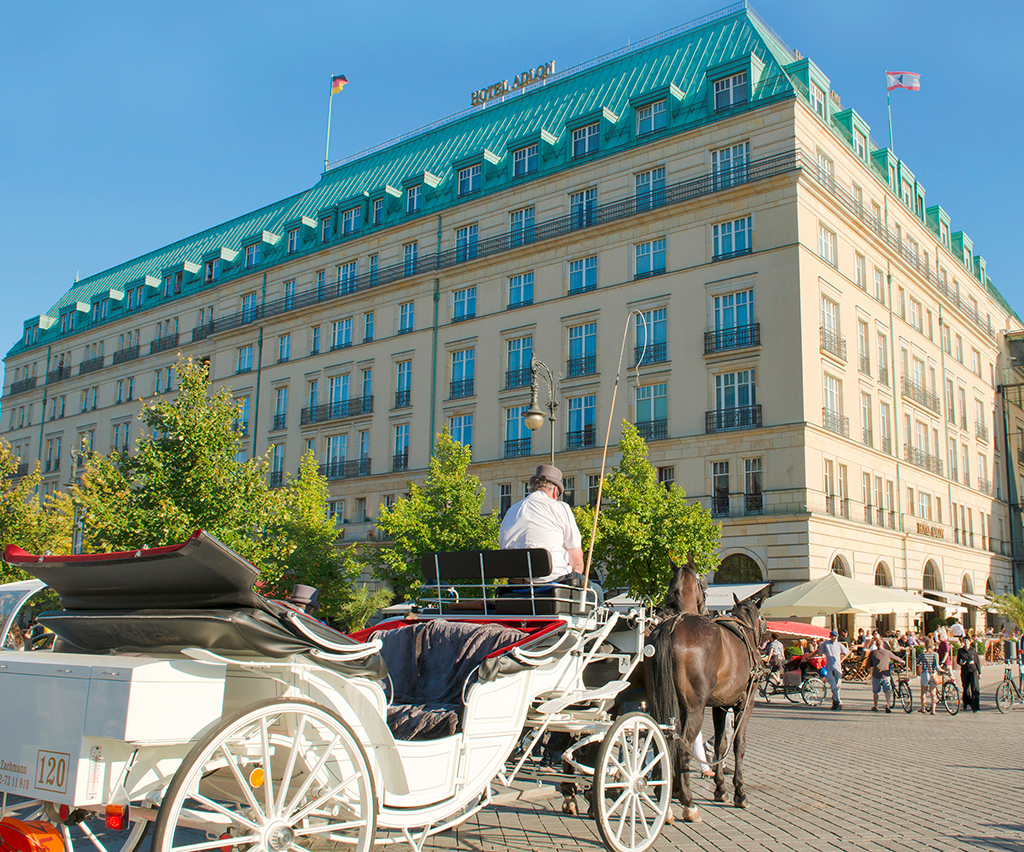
{"x": 184, "y": 476}
{"x": 32, "y": 524}
{"x": 446, "y": 513}
{"x": 643, "y": 528}
{"x": 1011, "y": 607}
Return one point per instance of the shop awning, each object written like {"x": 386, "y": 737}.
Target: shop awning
{"x": 721, "y": 596}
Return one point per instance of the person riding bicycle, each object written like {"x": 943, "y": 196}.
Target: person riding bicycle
{"x": 775, "y": 658}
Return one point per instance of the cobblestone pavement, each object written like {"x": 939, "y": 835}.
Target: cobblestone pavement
{"x": 823, "y": 780}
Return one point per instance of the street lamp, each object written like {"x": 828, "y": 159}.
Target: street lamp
{"x": 533, "y": 417}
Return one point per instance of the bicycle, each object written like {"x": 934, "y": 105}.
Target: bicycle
{"x": 899, "y": 686}
{"x": 1009, "y": 693}
{"x": 949, "y": 694}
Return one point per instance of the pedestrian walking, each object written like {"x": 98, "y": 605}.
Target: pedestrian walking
{"x": 880, "y": 660}
{"x": 928, "y": 667}
{"x": 970, "y": 675}
{"x": 835, "y": 652}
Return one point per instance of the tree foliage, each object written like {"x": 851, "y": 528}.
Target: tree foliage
{"x": 446, "y": 513}
{"x": 1011, "y": 607}
{"x": 643, "y": 528}
{"x": 33, "y": 524}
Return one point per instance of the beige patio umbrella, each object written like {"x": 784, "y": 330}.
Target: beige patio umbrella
{"x": 834, "y": 594}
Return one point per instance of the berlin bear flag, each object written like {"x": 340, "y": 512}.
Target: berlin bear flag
{"x": 902, "y": 80}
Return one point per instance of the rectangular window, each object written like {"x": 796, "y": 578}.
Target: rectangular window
{"x": 463, "y": 373}
{"x": 413, "y": 198}
{"x": 735, "y": 390}
{"x": 281, "y": 402}
{"x": 585, "y": 140}
{"x": 730, "y": 165}
{"x": 367, "y": 326}
{"x": 733, "y": 238}
{"x": 212, "y": 270}
{"x": 581, "y": 207}
{"x": 469, "y": 179}
{"x": 720, "y": 488}
{"x": 915, "y": 313}
{"x": 650, "y": 258}
{"x": 753, "y": 474}
{"x": 863, "y": 348}
{"x": 289, "y": 294}
{"x": 244, "y": 359}
{"x": 252, "y": 255}
{"x": 651, "y": 336}
{"x": 521, "y": 226}
{"x": 879, "y": 285}
{"x": 731, "y": 91}
{"x": 377, "y": 215}
{"x": 464, "y": 304}
{"x": 341, "y": 333}
{"x": 314, "y": 340}
{"x": 860, "y": 271}
{"x": 833, "y": 395}
{"x": 976, "y": 362}
{"x": 284, "y": 348}
{"x": 352, "y": 220}
{"x": 827, "y": 245}
{"x": 326, "y": 229}
{"x": 518, "y": 355}
{"x": 582, "y": 275}
{"x": 405, "y": 317}
{"x": 860, "y": 145}
{"x": 950, "y": 402}
{"x": 403, "y": 383}
{"x": 347, "y": 277}
{"x": 520, "y": 290}
{"x": 242, "y": 420}
{"x": 650, "y": 189}
{"x": 582, "y": 350}
{"x": 524, "y": 161}
{"x": 517, "y": 435}
{"x": 651, "y": 118}
{"x": 248, "y": 307}
{"x": 582, "y": 422}
{"x": 462, "y": 429}
{"x": 337, "y": 393}
{"x": 504, "y": 498}
{"x": 652, "y": 408}
{"x": 293, "y": 241}
{"x": 410, "y": 252}
{"x": 867, "y": 436}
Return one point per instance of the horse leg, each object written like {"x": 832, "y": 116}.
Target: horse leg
{"x": 739, "y": 798}
{"x": 720, "y": 716}
{"x": 690, "y": 727}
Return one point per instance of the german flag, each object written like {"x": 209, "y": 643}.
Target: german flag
{"x": 338, "y": 83}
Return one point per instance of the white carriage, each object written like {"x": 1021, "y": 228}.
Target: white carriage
{"x": 178, "y": 697}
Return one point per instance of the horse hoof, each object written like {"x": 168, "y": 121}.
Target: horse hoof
{"x": 692, "y": 815}
{"x": 569, "y": 807}
{"x": 719, "y": 797}
{"x": 740, "y": 803}
{"x": 670, "y": 817}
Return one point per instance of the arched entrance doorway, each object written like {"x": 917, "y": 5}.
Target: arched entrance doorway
{"x": 887, "y": 621}
{"x": 931, "y": 581}
{"x": 738, "y": 568}
{"x": 844, "y": 620}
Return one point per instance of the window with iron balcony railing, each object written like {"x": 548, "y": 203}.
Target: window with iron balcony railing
{"x": 753, "y": 504}
{"x": 23, "y": 385}
{"x": 836, "y": 422}
{"x": 276, "y": 478}
{"x": 985, "y": 486}
{"x": 738, "y": 337}
{"x": 869, "y": 513}
{"x": 90, "y": 366}
{"x": 653, "y": 353}
{"x": 163, "y": 343}
{"x": 837, "y": 506}
{"x": 58, "y": 375}
{"x": 580, "y": 439}
{"x": 400, "y": 461}
{"x": 832, "y": 343}
{"x": 727, "y": 419}
{"x": 584, "y": 366}
{"x": 280, "y": 420}
{"x": 460, "y": 389}
{"x": 403, "y": 398}
{"x": 129, "y": 354}
{"x": 21, "y": 471}
{"x": 346, "y": 469}
{"x": 865, "y": 365}
{"x": 518, "y": 378}
{"x": 923, "y": 460}
{"x": 517, "y": 447}
{"x": 919, "y": 394}
{"x": 981, "y": 430}
{"x": 883, "y": 375}
{"x": 720, "y": 505}
{"x": 887, "y": 445}
{"x": 652, "y": 430}
{"x": 867, "y": 438}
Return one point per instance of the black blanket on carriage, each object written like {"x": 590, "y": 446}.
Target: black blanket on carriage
{"x": 429, "y": 663}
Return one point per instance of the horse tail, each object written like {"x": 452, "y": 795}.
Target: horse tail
{"x": 661, "y": 691}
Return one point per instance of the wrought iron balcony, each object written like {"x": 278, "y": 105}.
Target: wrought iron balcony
{"x": 869, "y": 514}
{"x": 90, "y": 366}
{"x": 400, "y": 461}
{"x": 161, "y": 344}
{"x": 516, "y": 447}
{"x": 347, "y": 469}
{"x": 837, "y": 506}
{"x": 652, "y": 430}
{"x": 518, "y": 378}
{"x": 23, "y": 385}
{"x": 583, "y": 366}
{"x": 985, "y": 486}
{"x": 720, "y": 505}
{"x": 335, "y": 410}
{"x": 867, "y": 438}
{"x": 835, "y": 422}
{"x": 22, "y": 470}
{"x": 276, "y": 478}
{"x": 910, "y": 389}
{"x": 727, "y": 419}
{"x": 201, "y": 332}
{"x": 280, "y": 421}
{"x": 128, "y": 354}
{"x": 460, "y": 389}
{"x": 753, "y": 504}
{"x": 53, "y": 464}
{"x": 403, "y": 398}
{"x": 918, "y": 458}
{"x": 738, "y": 337}
{"x": 981, "y": 430}
{"x": 520, "y": 303}
{"x": 865, "y": 365}
{"x": 58, "y": 375}
{"x": 832, "y": 343}
{"x": 653, "y": 353}
{"x": 580, "y": 439}
{"x": 883, "y": 375}
{"x": 887, "y": 445}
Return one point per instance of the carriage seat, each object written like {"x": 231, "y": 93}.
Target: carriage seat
{"x": 430, "y": 662}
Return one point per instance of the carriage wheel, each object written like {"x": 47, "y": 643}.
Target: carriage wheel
{"x": 1004, "y": 698}
{"x": 88, "y": 833}
{"x": 906, "y": 696}
{"x": 282, "y": 774}
{"x": 632, "y": 783}
{"x": 813, "y": 691}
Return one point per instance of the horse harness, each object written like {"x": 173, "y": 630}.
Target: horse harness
{"x": 741, "y": 630}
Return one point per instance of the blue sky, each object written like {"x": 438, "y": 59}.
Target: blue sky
{"x": 126, "y": 126}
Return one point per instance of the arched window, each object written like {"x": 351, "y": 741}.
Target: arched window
{"x": 967, "y": 586}
{"x": 931, "y": 581}
{"x": 990, "y": 588}
{"x": 839, "y": 567}
{"x": 882, "y": 577}
{"x": 738, "y": 568}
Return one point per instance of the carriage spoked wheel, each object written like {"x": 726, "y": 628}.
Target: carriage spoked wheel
{"x": 632, "y": 783}
{"x": 82, "y": 830}
{"x": 282, "y": 774}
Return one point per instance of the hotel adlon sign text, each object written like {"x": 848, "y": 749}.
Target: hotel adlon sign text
{"x": 501, "y": 88}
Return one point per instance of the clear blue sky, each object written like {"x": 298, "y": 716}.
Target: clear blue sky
{"x": 126, "y": 126}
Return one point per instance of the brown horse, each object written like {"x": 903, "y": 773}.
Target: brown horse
{"x": 699, "y": 663}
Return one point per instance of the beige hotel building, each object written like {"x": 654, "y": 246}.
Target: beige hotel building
{"x": 822, "y": 353}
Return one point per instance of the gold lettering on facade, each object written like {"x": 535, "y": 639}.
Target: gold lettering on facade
{"x": 520, "y": 81}
{"x": 929, "y": 530}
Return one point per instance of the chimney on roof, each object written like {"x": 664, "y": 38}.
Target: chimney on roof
{"x": 835, "y": 99}
{"x": 797, "y": 54}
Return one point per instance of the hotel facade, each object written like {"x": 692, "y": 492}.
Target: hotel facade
{"x": 813, "y": 350}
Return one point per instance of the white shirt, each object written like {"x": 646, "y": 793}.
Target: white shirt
{"x": 540, "y": 521}
{"x": 956, "y": 630}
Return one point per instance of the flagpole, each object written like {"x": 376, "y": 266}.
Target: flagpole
{"x": 330, "y": 102}
{"x": 888, "y": 103}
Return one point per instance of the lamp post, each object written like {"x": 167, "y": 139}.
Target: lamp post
{"x": 534, "y": 415}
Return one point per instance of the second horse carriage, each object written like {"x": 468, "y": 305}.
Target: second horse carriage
{"x": 179, "y": 699}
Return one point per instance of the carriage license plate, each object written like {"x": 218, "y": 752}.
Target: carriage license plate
{"x": 52, "y": 770}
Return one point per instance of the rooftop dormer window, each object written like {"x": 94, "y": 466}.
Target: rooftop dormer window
{"x": 252, "y": 255}
{"x": 469, "y": 179}
{"x": 731, "y": 91}
{"x": 651, "y": 118}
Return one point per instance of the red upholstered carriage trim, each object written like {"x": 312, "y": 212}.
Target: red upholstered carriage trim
{"x": 14, "y": 555}
{"x": 533, "y": 629}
